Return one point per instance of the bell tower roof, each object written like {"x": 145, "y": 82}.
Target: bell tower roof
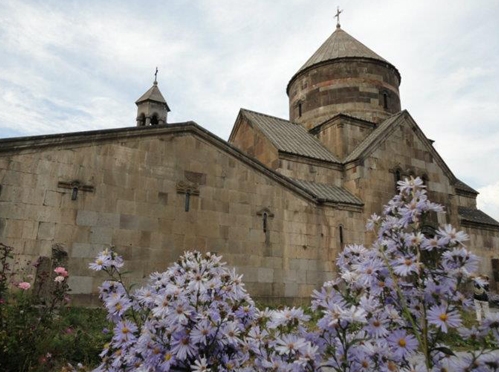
{"x": 153, "y": 94}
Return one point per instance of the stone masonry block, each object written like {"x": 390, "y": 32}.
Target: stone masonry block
{"x": 249, "y": 274}
{"x": 80, "y": 284}
{"x": 298, "y": 264}
{"x": 129, "y": 222}
{"x": 85, "y": 250}
{"x": 46, "y": 231}
{"x": 265, "y": 275}
{"x": 291, "y": 289}
{"x": 13, "y": 228}
{"x": 108, "y": 220}
{"x": 101, "y": 235}
{"x": 86, "y": 218}
{"x": 52, "y": 199}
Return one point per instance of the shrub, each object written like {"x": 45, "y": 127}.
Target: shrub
{"x": 391, "y": 308}
{"x": 41, "y": 334}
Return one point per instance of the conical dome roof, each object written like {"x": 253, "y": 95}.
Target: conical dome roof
{"x": 338, "y": 46}
{"x": 343, "y": 77}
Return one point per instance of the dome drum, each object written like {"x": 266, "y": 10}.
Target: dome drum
{"x": 360, "y": 87}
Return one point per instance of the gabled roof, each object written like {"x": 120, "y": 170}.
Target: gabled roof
{"x": 461, "y": 186}
{"x": 341, "y": 116}
{"x": 329, "y": 193}
{"x": 374, "y": 137}
{"x": 476, "y": 216}
{"x": 289, "y": 137}
{"x": 153, "y": 94}
{"x": 384, "y": 130}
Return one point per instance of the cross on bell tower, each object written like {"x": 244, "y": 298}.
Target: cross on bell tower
{"x": 152, "y": 108}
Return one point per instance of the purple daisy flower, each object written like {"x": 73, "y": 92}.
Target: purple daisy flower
{"x": 402, "y": 344}
{"x": 441, "y": 317}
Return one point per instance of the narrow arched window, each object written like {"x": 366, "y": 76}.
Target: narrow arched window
{"x": 425, "y": 179}
{"x": 385, "y": 100}
{"x": 154, "y": 119}
{"x": 398, "y": 177}
{"x": 299, "y": 110}
{"x": 340, "y": 231}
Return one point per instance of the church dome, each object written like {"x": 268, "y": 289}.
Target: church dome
{"x": 343, "y": 76}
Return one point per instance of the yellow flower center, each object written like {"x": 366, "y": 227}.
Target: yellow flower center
{"x": 402, "y": 342}
{"x": 443, "y": 317}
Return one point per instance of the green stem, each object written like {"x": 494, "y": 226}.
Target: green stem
{"x": 407, "y": 314}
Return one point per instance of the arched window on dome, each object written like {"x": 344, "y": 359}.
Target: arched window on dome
{"x": 154, "y": 119}
{"x": 300, "y": 108}
{"x": 385, "y": 100}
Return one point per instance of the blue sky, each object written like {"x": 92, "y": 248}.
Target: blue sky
{"x": 80, "y": 65}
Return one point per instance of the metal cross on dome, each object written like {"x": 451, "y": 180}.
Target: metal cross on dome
{"x": 156, "y": 76}
{"x": 337, "y": 16}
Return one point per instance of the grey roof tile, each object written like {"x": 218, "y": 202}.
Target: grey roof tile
{"x": 460, "y": 185}
{"x": 330, "y": 193}
{"x": 370, "y": 139}
{"x": 476, "y": 216}
{"x": 153, "y": 94}
{"x": 289, "y": 137}
{"x": 340, "y": 45}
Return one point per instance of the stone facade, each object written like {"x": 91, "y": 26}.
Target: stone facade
{"x": 279, "y": 200}
{"x": 136, "y": 207}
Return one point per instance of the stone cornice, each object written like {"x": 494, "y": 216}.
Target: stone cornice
{"x": 311, "y": 161}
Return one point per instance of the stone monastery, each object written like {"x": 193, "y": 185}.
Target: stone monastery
{"x": 278, "y": 200}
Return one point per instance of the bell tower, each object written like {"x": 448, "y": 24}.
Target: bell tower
{"x": 152, "y": 108}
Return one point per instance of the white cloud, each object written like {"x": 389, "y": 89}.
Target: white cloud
{"x": 81, "y": 65}
{"x": 488, "y": 200}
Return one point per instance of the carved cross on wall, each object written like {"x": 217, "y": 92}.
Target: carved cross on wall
{"x": 187, "y": 188}
{"x": 75, "y": 186}
{"x": 265, "y": 213}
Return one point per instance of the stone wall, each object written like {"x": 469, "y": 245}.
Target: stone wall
{"x": 342, "y": 134}
{"x": 373, "y": 178}
{"x": 250, "y": 140}
{"x": 138, "y": 205}
{"x": 314, "y": 171}
{"x": 485, "y": 243}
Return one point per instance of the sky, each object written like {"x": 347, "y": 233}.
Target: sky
{"x": 71, "y": 66}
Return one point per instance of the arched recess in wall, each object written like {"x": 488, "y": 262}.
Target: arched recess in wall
{"x": 425, "y": 179}
{"x": 154, "y": 119}
{"x": 341, "y": 236}
{"x": 141, "y": 120}
{"x": 398, "y": 175}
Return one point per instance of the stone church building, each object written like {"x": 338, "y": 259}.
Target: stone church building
{"x": 278, "y": 200}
